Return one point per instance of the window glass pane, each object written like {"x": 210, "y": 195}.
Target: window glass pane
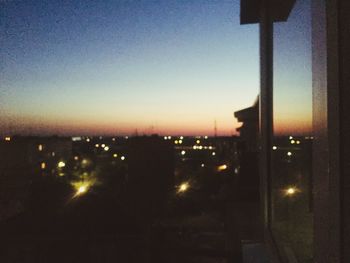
{"x": 292, "y": 134}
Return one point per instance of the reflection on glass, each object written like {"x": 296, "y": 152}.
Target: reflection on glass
{"x": 291, "y": 150}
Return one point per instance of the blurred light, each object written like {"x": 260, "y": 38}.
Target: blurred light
{"x": 205, "y": 137}
{"x": 183, "y": 187}
{"x": 97, "y": 145}
{"x": 183, "y": 152}
{"x": 100, "y": 137}
{"x": 84, "y": 161}
{"x": 88, "y": 140}
{"x": 213, "y": 153}
{"x": 202, "y": 165}
{"x": 180, "y": 141}
{"x": 113, "y": 139}
{"x": 43, "y": 165}
{"x": 103, "y": 145}
{"x": 126, "y": 137}
{"x": 61, "y": 164}
{"x": 82, "y": 189}
{"x": 53, "y": 154}
{"x": 176, "y": 142}
{"x": 274, "y": 148}
{"x": 181, "y": 137}
{"x": 236, "y": 170}
{"x": 291, "y": 191}
{"x": 7, "y": 138}
{"x": 222, "y": 167}
{"x": 40, "y": 147}
{"x": 210, "y": 147}
{"x": 169, "y": 137}
{"x": 165, "y": 137}
{"x": 74, "y": 139}
{"x": 290, "y": 137}
{"x": 122, "y": 158}
{"x": 200, "y": 147}
{"x": 76, "y": 158}
{"x": 292, "y": 141}
{"x": 115, "y": 155}
{"x": 194, "y": 147}
{"x": 106, "y": 148}
{"x": 298, "y": 142}
{"x": 198, "y": 141}
{"x": 289, "y": 153}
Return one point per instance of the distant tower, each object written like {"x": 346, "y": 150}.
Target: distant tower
{"x": 215, "y": 129}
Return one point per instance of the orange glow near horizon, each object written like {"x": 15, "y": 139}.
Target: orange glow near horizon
{"x": 46, "y": 125}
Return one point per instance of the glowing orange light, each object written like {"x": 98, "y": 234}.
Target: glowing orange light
{"x": 222, "y": 167}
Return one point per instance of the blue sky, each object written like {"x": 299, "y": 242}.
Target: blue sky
{"x": 105, "y": 67}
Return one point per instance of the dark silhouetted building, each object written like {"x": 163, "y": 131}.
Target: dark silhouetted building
{"x": 249, "y": 130}
{"x": 150, "y": 175}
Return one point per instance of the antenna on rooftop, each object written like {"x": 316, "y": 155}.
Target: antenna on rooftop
{"x": 215, "y": 129}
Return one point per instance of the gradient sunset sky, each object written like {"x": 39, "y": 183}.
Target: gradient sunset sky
{"x": 114, "y": 66}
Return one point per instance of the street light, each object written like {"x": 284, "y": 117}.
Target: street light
{"x": 61, "y": 164}
{"x": 183, "y": 187}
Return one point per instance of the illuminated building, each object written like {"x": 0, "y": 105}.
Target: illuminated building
{"x": 22, "y": 160}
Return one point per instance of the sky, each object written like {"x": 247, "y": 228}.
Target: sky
{"x": 116, "y": 66}
{"x": 292, "y": 105}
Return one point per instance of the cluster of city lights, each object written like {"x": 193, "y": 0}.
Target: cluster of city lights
{"x": 200, "y": 147}
{"x": 293, "y": 141}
